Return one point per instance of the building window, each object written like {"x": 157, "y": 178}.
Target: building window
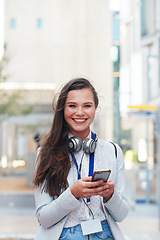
{"x": 39, "y": 23}
{"x": 143, "y": 19}
{"x": 148, "y": 23}
{"x": 157, "y": 14}
{"x": 13, "y": 23}
{"x": 116, "y": 26}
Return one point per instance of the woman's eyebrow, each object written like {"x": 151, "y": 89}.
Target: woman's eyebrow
{"x": 70, "y": 102}
{"x": 89, "y": 102}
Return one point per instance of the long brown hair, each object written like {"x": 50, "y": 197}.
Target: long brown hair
{"x": 53, "y": 163}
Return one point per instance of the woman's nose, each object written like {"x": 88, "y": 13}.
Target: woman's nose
{"x": 80, "y": 111}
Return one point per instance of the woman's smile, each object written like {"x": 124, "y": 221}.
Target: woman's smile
{"x": 79, "y": 120}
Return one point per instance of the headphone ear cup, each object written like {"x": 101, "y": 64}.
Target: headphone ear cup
{"x": 96, "y": 138}
{"x": 89, "y": 146}
{"x": 75, "y": 144}
{"x": 93, "y": 145}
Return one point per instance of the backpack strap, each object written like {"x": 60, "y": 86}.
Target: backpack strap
{"x": 114, "y": 148}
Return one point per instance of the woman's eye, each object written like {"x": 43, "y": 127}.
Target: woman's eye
{"x": 87, "y": 105}
{"x": 72, "y": 105}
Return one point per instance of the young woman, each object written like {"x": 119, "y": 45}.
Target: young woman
{"x": 68, "y": 204}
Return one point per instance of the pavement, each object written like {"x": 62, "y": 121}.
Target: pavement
{"x": 142, "y": 223}
{"x": 18, "y": 221}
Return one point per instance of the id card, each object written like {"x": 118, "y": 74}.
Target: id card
{"x": 91, "y": 226}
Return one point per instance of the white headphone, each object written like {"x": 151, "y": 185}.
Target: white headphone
{"x": 88, "y": 145}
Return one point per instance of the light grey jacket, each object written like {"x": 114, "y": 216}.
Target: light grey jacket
{"x": 52, "y": 212}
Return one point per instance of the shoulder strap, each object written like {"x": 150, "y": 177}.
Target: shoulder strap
{"x": 115, "y": 149}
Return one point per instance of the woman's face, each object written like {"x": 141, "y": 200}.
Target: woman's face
{"x": 79, "y": 111}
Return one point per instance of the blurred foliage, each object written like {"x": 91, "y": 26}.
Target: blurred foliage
{"x": 10, "y": 102}
{"x": 10, "y": 105}
{"x": 3, "y": 62}
{"x": 131, "y": 156}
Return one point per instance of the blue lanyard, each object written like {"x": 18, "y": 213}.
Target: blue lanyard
{"x": 91, "y": 163}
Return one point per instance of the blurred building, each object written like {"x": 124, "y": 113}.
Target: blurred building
{"x": 48, "y": 43}
{"x": 116, "y": 68}
{"x": 140, "y": 56}
{"x": 140, "y": 76}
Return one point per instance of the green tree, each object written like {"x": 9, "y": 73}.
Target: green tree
{"x": 10, "y": 102}
{"x": 9, "y": 105}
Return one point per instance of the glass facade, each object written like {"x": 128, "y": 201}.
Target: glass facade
{"x": 116, "y": 66}
{"x": 159, "y": 62}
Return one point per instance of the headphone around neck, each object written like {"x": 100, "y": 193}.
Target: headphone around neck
{"x": 88, "y": 145}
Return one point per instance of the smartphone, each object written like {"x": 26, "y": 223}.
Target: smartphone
{"x": 101, "y": 175}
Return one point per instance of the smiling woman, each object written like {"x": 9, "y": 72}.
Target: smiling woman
{"x": 69, "y": 204}
{"x": 79, "y": 112}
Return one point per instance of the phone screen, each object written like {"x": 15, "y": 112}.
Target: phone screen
{"x": 101, "y": 175}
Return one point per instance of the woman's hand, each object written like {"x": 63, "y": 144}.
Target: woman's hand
{"x": 84, "y": 188}
{"x": 108, "y": 191}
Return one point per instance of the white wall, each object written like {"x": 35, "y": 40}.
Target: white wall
{"x": 74, "y": 40}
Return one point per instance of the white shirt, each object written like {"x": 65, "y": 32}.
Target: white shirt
{"x": 82, "y": 213}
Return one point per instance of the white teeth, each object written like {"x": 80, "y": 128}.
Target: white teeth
{"x": 79, "y": 120}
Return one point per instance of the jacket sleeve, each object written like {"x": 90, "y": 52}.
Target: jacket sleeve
{"x": 51, "y": 210}
{"x": 117, "y": 205}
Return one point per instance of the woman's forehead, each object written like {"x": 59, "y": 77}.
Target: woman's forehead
{"x": 83, "y": 94}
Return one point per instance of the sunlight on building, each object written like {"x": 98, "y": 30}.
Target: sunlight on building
{"x": 4, "y": 162}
